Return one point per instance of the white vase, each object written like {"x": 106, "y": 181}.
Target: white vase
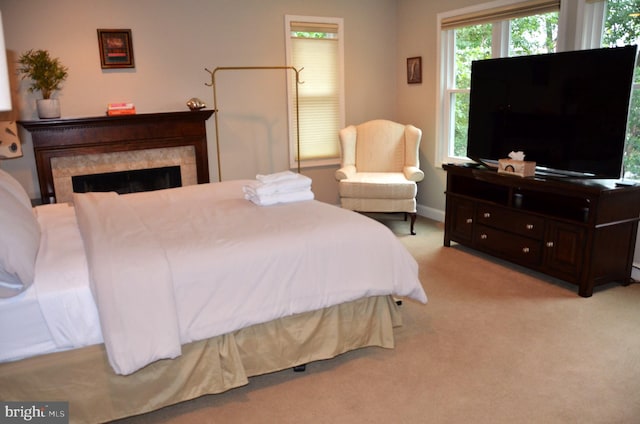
{"x": 48, "y": 108}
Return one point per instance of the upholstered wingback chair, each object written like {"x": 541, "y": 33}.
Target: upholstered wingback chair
{"x": 380, "y": 167}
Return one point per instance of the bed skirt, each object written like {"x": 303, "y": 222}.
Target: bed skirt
{"x": 95, "y": 394}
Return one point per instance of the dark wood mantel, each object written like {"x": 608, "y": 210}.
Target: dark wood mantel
{"x": 106, "y": 134}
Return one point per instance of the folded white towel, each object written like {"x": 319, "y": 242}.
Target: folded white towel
{"x": 299, "y": 182}
{"x": 272, "y": 199}
{"x": 280, "y": 187}
{"x": 277, "y": 176}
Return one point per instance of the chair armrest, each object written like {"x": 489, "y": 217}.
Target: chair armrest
{"x": 348, "y": 137}
{"x": 345, "y": 172}
{"x": 413, "y": 173}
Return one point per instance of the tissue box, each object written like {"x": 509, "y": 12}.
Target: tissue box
{"x": 519, "y": 168}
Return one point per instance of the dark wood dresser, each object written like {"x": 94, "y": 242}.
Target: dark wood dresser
{"x": 582, "y": 231}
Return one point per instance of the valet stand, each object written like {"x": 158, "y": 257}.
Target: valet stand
{"x": 244, "y": 68}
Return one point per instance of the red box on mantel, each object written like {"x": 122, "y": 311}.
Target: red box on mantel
{"x": 114, "y": 109}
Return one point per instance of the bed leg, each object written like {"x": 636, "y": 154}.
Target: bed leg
{"x": 300, "y": 368}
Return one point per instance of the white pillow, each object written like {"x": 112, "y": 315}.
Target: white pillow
{"x": 14, "y": 187}
{"x": 20, "y": 238}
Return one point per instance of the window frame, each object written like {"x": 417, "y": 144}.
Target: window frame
{"x": 590, "y": 23}
{"x": 446, "y": 67}
{"x": 291, "y": 108}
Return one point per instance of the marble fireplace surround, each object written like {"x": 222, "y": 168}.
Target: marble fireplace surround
{"x": 82, "y": 146}
{"x": 65, "y": 167}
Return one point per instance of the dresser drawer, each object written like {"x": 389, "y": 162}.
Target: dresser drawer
{"x": 516, "y": 248}
{"x": 512, "y": 221}
{"x": 461, "y": 213}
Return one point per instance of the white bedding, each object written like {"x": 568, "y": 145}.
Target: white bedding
{"x": 23, "y": 330}
{"x": 217, "y": 263}
{"x": 61, "y": 280}
{"x": 57, "y": 312}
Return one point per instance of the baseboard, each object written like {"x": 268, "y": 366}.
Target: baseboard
{"x": 431, "y": 213}
{"x": 425, "y": 211}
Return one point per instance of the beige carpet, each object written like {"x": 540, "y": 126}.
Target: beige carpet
{"x": 495, "y": 344}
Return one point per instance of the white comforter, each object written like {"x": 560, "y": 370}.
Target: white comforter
{"x": 61, "y": 280}
{"x": 174, "y": 266}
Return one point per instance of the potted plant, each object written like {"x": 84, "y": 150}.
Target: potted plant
{"x": 46, "y": 74}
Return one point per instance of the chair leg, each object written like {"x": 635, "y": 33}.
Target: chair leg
{"x": 413, "y": 221}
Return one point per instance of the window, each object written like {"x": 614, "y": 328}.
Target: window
{"x": 617, "y": 23}
{"x": 315, "y": 46}
{"x": 496, "y": 29}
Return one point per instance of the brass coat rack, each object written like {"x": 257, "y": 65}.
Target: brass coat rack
{"x": 215, "y": 104}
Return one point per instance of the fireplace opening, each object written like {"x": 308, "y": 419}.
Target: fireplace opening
{"x": 131, "y": 181}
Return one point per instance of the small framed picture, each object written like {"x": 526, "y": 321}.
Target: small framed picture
{"x": 116, "y": 48}
{"x": 414, "y": 70}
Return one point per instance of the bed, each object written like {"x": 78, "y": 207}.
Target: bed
{"x": 123, "y": 304}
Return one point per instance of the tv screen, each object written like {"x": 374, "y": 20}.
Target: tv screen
{"x": 566, "y": 111}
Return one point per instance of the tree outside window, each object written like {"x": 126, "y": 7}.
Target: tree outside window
{"x": 622, "y": 27}
{"x": 472, "y": 43}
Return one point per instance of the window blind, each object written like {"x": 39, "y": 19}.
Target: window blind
{"x": 506, "y": 12}
{"x": 318, "y": 95}
{"x": 324, "y": 27}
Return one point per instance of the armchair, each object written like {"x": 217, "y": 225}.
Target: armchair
{"x": 380, "y": 167}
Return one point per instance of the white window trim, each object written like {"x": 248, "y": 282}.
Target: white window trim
{"x": 590, "y": 23}
{"x": 445, "y": 71}
{"x": 293, "y": 160}
{"x": 443, "y": 153}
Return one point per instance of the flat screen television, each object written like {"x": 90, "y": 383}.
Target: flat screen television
{"x": 566, "y": 111}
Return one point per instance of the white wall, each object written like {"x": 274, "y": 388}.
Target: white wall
{"x": 174, "y": 41}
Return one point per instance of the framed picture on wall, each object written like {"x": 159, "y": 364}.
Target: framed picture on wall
{"x": 116, "y": 48}
{"x": 414, "y": 70}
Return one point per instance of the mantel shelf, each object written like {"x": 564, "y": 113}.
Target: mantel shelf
{"x": 106, "y": 134}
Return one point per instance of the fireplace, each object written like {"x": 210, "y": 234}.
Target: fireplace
{"x": 67, "y": 168}
{"x": 65, "y": 148}
{"x": 123, "y": 182}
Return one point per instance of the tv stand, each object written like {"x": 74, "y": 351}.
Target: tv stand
{"x": 582, "y": 231}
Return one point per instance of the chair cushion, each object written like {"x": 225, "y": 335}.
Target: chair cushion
{"x": 378, "y": 185}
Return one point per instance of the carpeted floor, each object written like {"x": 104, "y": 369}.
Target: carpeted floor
{"x": 495, "y": 344}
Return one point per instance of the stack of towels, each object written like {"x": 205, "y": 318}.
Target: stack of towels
{"x": 280, "y": 187}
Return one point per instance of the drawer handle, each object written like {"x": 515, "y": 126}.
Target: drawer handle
{"x": 525, "y": 250}
{"x": 483, "y": 236}
{"x": 549, "y": 244}
{"x": 469, "y": 221}
{"x": 487, "y": 215}
{"x": 529, "y": 227}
